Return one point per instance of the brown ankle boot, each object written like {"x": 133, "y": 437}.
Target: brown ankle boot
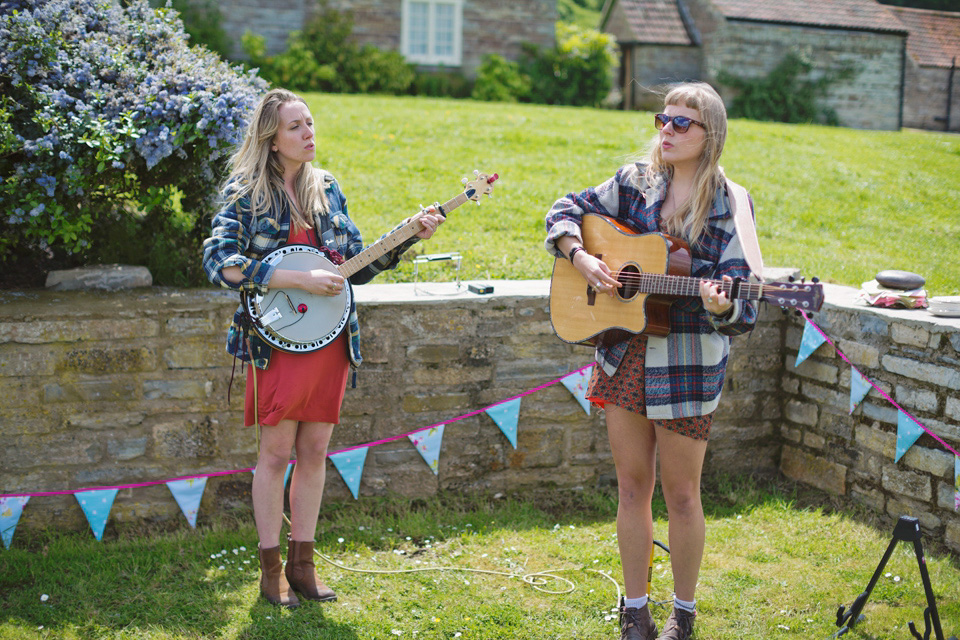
{"x": 273, "y": 584}
{"x": 302, "y": 575}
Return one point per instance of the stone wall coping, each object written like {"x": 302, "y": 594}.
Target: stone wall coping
{"x": 846, "y": 298}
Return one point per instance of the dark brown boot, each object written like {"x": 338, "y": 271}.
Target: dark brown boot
{"x": 273, "y": 584}
{"x": 302, "y": 574}
{"x": 636, "y": 624}
{"x": 679, "y": 625}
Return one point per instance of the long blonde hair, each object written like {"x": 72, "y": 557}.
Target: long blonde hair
{"x": 257, "y": 173}
{"x": 690, "y": 220}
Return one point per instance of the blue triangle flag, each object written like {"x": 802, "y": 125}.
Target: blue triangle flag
{"x": 286, "y": 474}
{"x": 188, "y": 493}
{"x": 859, "y": 388}
{"x": 10, "y": 510}
{"x": 809, "y": 343}
{"x": 577, "y": 383}
{"x": 506, "y": 415}
{"x": 907, "y": 433}
{"x": 96, "y": 504}
{"x": 350, "y": 465}
{"x": 428, "y": 443}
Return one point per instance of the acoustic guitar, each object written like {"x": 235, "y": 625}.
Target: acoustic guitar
{"x": 654, "y": 271}
{"x": 296, "y": 321}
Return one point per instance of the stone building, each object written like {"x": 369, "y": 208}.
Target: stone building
{"x": 434, "y": 34}
{"x": 931, "y": 98}
{"x": 664, "y": 41}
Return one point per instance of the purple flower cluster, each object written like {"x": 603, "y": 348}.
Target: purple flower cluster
{"x": 100, "y": 104}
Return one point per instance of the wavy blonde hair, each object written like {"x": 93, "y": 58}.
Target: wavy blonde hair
{"x": 690, "y": 221}
{"x": 257, "y": 173}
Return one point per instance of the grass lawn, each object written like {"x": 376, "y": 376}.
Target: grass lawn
{"x": 839, "y": 204}
{"x": 778, "y": 564}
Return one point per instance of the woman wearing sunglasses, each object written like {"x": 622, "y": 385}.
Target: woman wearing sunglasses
{"x": 659, "y": 393}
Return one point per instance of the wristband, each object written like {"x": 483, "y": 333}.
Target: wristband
{"x": 573, "y": 252}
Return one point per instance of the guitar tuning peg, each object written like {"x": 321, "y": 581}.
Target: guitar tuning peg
{"x": 790, "y": 278}
{"x": 803, "y": 280}
{"x": 815, "y": 280}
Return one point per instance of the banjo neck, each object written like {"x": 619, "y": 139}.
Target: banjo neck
{"x": 400, "y": 235}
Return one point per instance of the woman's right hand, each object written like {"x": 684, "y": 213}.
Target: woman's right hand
{"x": 596, "y": 273}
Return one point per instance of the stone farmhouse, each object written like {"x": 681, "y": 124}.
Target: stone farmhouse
{"x": 433, "y": 34}
{"x": 903, "y": 59}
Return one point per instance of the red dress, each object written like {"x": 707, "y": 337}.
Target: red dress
{"x": 306, "y": 387}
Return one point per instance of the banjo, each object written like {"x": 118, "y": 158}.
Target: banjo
{"x": 296, "y": 321}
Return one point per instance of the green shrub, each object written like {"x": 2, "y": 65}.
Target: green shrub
{"x": 500, "y": 80}
{"x": 781, "y": 95}
{"x": 322, "y": 58}
{"x": 203, "y": 22}
{"x": 577, "y": 71}
{"x": 441, "y": 84}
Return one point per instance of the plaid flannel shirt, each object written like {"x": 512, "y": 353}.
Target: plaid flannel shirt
{"x": 685, "y": 370}
{"x": 239, "y": 239}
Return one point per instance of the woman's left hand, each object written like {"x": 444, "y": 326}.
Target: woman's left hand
{"x": 430, "y": 220}
{"x": 714, "y": 299}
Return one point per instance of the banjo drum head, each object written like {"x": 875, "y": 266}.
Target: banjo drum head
{"x": 293, "y": 320}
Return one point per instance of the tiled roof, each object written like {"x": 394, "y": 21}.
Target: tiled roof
{"x": 933, "y": 38}
{"x": 656, "y": 21}
{"x": 867, "y": 15}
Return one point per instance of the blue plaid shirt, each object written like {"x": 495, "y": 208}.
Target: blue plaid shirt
{"x": 684, "y": 371}
{"x": 238, "y": 239}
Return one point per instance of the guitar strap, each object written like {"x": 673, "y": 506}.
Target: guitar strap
{"x": 746, "y": 230}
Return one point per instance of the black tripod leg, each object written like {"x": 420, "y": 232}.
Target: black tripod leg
{"x": 933, "y": 618}
{"x": 853, "y": 616}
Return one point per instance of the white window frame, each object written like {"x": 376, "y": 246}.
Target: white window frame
{"x": 455, "y": 59}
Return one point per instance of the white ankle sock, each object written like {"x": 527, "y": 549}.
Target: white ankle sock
{"x": 636, "y": 603}
{"x": 689, "y": 607}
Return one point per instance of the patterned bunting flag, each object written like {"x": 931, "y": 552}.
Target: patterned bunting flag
{"x": 577, "y": 383}
{"x": 956, "y": 483}
{"x": 907, "y": 433}
{"x": 506, "y": 415}
{"x": 188, "y": 493}
{"x": 96, "y": 504}
{"x": 809, "y": 343}
{"x": 859, "y": 387}
{"x": 428, "y": 444}
{"x": 350, "y": 466}
{"x": 10, "y": 510}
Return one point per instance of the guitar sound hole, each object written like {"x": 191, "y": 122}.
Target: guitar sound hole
{"x": 629, "y": 277}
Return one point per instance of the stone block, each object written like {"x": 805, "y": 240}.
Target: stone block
{"x": 861, "y": 355}
{"x": 869, "y": 497}
{"x": 874, "y": 439}
{"x": 804, "y": 467}
{"x": 953, "y": 408}
{"x": 99, "y": 361}
{"x": 923, "y": 371}
{"x": 176, "y": 389}
{"x": 917, "y": 398}
{"x": 804, "y": 413}
{"x": 180, "y": 326}
{"x": 906, "y": 484}
{"x": 936, "y": 462}
{"x": 108, "y": 277}
{"x": 434, "y": 353}
{"x": 814, "y": 440}
{"x": 947, "y": 496}
{"x": 27, "y": 362}
{"x": 194, "y": 354}
{"x": 106, "y": 390}
{"x": 447, "y": 402}
{"x": 897, "y": 507}
{"x": 185, "y": 439}
{"x": 909, "y": 335}
{"x": 127, "y": 448}
{"x": 952, "y": 536}
{"x": 814, "y": 370}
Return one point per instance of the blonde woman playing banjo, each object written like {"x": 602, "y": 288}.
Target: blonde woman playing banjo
{"x": 272, "y": 199}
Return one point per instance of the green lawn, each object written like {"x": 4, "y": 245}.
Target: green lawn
{"x": 839, "y": 204}
{"x": 778, "y": 564}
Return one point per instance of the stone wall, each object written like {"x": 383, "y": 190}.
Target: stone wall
{"x": 925, "y": 98}
{"x": 868, "y": 100}
{"x": 108, "y": 389}
{"x": 915, "y": 358}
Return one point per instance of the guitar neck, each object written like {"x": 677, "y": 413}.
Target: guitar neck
{"x": 684, "y": 286}
{"x": 394, "y": 239}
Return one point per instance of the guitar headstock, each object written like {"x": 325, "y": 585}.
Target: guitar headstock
{"x": 480, "y": 185}
{"x": 807, "y": 296}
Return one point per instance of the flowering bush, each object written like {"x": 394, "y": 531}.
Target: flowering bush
{"x": 577, "y": 71}
{"x": 113, "y": 135}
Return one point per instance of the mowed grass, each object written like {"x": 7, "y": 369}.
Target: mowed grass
{"x": 779, "y": 562}
{"x": 838, "y": 204}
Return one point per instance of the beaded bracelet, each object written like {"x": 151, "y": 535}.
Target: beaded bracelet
{"x": 573, "y": 252}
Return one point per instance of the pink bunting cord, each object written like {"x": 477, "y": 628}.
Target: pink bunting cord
{"x": 874, "y": 385}
{"x": 344, "y": 450}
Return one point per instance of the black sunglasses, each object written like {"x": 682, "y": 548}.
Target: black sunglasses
{"x": 680, "y": 123}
